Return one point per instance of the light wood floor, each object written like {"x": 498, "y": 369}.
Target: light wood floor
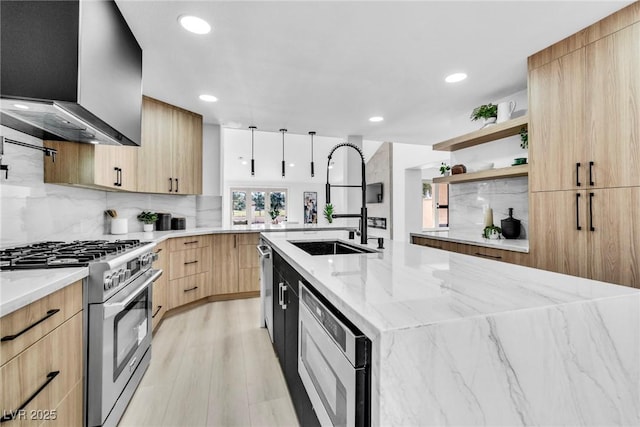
{"x": 212, "y": 366}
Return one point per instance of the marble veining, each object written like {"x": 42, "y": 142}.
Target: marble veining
{"x": 467, "y": 200}
{"x": 208, "y": 211}
{"x": 129, "y": 205}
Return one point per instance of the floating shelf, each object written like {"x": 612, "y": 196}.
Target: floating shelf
{"x": 510, "y": 172}
{"x": 487, "y": 134}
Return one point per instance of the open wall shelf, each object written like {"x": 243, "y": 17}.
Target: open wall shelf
{"x": 509, "y": 172}
{"x": 487, "y": 134}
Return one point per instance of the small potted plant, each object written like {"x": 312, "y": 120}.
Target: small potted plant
{"x": 444, "y": 169}
{"x": 488, "y": 113}
{"x": 524, "y": 138}
{"x": 148, "y": 219}
{"x": 328, "y": 212}
{"x": 491, "y": 232}
{"x": 273, "y": 213}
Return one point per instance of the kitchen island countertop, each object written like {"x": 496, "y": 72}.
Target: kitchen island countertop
{"x": 515, "y": 245}
{"x": 461, "y": 340}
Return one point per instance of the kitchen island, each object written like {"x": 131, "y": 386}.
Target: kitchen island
{"x": 460, "y": 340}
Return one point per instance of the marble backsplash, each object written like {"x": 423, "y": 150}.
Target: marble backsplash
{"x": 33, "y": 211}
{"x": 467, "y": 201}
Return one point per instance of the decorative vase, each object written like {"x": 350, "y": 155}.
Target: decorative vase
{"x": 489, "y": 121}
{"x": 147, "y": 227}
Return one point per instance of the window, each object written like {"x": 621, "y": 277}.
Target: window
{"x": 435, "y": 205}
{"x": 258, "y": 205}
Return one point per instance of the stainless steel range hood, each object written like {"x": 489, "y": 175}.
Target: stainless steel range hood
{"x": 70, "y": 70}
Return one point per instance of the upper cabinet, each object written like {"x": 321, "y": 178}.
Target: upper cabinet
{"x": 585, "y": 116}
{"x": 170, "y": 158}
{"x": 107, "y": 167}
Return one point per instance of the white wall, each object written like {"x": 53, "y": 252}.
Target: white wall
{"x": 268, "y": 156}
{"x": 211, "y": 155}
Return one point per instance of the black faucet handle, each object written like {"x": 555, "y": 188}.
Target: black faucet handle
{"x": 380, "y": 241}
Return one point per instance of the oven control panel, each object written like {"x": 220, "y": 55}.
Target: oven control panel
{"x": 121, "y": 275}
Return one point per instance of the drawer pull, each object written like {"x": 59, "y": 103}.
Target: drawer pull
{"x": 191, "y": 242}
{"x": 13, "y": 414}
{"x": 159, "y": 250}
{"x": 156, "y": 313}
{"x": 191, "y": 262}
{"x": 33, "y": 325}
{"x": 191, "y": 289}
{"x": 488, "y": 256}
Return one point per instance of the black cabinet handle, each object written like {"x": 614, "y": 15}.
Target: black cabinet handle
{"x": 170, "y": 185}
{"x": 578, "y": 212}
{"x": 191, "y": 289}
{"x": 159, "y": 250}
{"x": 33, "y": 325}
{"x": 578, "y": 175}
{"x": 116, "y": 183}
{"x": 11, "y": 415}
{"x": 591, "y": 227}
{"x": 176, "y": 185}
{"x": 591, "y": 183}
{"x": 433, "y": 246}
{"x": 235, "y": 240}
{"x": 191, "y": 242}
{"x": 153, "y": 316}
{"x": 488, "y": 256}
{"x": 190, "y": 262}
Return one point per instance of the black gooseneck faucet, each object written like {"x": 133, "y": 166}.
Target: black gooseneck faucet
{"x": 363, "y": 185}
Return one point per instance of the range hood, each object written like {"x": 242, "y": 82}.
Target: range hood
{"x": 71, "y": 71}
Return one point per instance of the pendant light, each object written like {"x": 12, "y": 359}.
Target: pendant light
{"x": 283, "y": 163}
{"x": 253, "y": 166}
{"x": 312, "y": 172}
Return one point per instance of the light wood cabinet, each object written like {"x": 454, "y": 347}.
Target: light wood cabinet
{"x": 511, "y": 257}
{"x": 236, "y": 265}
{"x": 584, "y": 134}
{"x": 44, "y": 363}
{"x": 170, "y": 157}
{"x": 189, "y": 265}
{"x": 107, "y": 167}
{"x": 160, "y": 299}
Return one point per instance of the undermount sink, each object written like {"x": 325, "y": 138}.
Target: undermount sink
{"x": 330, "y": 247}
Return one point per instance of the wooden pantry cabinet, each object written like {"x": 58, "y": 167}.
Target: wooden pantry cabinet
{"x": 189, "y": 272}
{"x": 159, "y": 295}
{"x": 42, "y": 361}
{"x": 236, "y": 265}
{"x": 584, "y": 151}
{"x": 170, "y": 157}
{"x": 106, "y": 167}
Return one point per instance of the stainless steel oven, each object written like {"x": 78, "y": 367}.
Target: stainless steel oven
{"x": 333, "y": 363}
{"x": 119, "y": 338}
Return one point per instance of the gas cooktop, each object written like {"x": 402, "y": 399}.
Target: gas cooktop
{"x": 78, "y": 253}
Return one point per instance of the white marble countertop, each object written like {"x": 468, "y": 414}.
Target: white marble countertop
{"x": 19, "y": 288}
{"x": 22, "y": 287}
{"x": 405, "y": 286}
{"x": 515, "y": 245}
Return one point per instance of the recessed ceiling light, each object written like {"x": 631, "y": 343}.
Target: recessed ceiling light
{"x": 208, "y": 98}
{"x": 376, "y": 119}
{"x": 21, "y": 106}
{"x": 291, "y": 165}
{"x": 455, "y": 77}
{"x": 94, "y": 141}
{"x": 194, "y": 24}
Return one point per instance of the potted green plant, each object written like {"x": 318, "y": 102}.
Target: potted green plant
{"x": 524, "y": 137}
{"x": 273, "y": 213}
{"x": 487, "y": 112}
{"x": 491, "y": 232}
{"x": 328, "y": 212}
{"x": 148, "y": 219}
{"x": 444, "y": 169}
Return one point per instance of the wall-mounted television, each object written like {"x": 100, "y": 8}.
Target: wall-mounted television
{"x": 374, "y": 193}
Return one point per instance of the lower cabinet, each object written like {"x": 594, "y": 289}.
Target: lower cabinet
{"x": 512, "y": 257}
{"x": 159, "y": 295}
{"x": 189, "y": 265}
{"x": 236, "y": 265}
{"x": 41, "y": 368}
{"x": 285, "y": 336}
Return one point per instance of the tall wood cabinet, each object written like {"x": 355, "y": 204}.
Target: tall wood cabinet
{"x": 170, "y": 157}
{"x": 109, "y": 167}
{"x": 584, "y": 129}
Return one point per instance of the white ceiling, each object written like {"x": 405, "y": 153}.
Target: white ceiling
{"x": 329, "y": 66}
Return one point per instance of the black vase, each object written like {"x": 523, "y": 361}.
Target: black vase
{"x": 510, "y": 226}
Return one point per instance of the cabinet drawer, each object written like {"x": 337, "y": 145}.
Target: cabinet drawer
{"x": 67, "y": 302}
{"x": 181, "y": 243}
{"x": 189, "y": 262}
{"x": 159, "y": 306}
{"x": 248, "y": 238}
{"x": 188, "y": 289}
{"x": 59, "y": 352}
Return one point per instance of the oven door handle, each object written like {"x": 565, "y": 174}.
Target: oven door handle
{"x": 113, "y": 308}
{"x": 264, "y": 251}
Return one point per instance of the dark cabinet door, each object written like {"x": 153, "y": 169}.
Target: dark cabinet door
{"x": 278, "y": 321}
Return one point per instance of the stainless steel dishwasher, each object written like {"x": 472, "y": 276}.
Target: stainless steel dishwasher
{"x": 334, "y": 360}
{"x": 266, "y": 286}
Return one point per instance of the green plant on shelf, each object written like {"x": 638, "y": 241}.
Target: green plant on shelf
{"x": 524, "y": 137}
{"x": 444, "y": 168}
{"x": 148, "y": 217}
{"x": 491, "y": 232}
{"x": 484, "y": 112}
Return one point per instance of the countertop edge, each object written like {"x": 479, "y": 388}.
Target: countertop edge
{"x": 485, "y": 243}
